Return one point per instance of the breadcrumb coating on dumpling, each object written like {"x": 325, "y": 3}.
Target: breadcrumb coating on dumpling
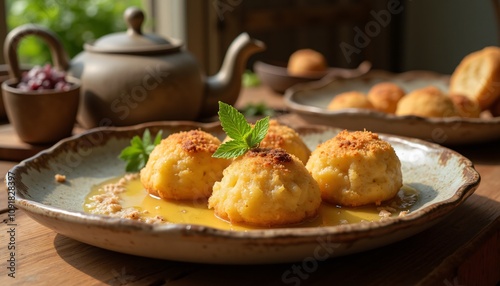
{"x": 385, "y": 96}
{"x": 284, "y": 137}
{"x": 427, "y": 102}
{"x": 356, "y": 168}
{"x": 350, "y": 99}
{"x": 266, "y": 187}
{"x": 181, "y": 167}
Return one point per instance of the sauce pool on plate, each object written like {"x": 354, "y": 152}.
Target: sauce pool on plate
{"x": 126, "y": 197}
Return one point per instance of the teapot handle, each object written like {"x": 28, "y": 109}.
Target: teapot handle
{"x": 59, "y": 55}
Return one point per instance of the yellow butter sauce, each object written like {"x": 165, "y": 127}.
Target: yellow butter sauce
{"x": 196, "y": 212}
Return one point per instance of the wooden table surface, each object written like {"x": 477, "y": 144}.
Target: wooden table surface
{"x": 463, "y": 249}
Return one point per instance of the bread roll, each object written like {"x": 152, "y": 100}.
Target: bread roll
{"x": 478, "y": 76}
{"x": 306, "y": 62}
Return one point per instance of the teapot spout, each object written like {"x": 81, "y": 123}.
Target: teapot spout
{"x": 226, "y": 84}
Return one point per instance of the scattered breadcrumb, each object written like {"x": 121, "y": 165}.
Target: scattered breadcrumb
{"x": 388, "y": 211}
{"x": 403, "y": 213}
{"x": 108, "y": 202}
{"x": 60, "y": 178}
{"x": 384, "y": 213}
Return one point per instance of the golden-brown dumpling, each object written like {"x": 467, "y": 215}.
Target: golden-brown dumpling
{"x": 350, "y": 99}
{"x": 356, "y": 168}
{"x": 266, "y": 187}
{"x": 284, "y": 137}
{"x": 465, "y": 106}
{"x": 427, "y": 102}
{"x": 181, "y": 167}
{"x": 385, "y": 96}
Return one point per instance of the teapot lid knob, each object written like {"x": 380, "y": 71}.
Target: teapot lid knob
{"x": 134, "y": 18}
{"x": 134, "y": 41}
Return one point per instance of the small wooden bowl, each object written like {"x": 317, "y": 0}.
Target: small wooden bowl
{"x": 4, "y": 75}
{"x": 41, "y": 117}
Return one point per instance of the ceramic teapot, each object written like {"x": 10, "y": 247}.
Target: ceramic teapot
{"x": 133, "y": 77}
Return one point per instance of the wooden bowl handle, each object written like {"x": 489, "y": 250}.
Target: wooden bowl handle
{"x": 59, "y": 56}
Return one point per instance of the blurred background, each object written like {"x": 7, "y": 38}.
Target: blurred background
{"x": 394, "y": 35}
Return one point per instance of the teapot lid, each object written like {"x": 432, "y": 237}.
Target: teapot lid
{"x": 133, "y": 41}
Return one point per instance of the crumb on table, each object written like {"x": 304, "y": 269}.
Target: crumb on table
{"x": 60, "y": 178}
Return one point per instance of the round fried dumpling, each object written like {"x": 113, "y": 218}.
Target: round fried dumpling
{"x": 495, "y": 108}
{"x": 266, "y": 187}
{"x": 356, "y": 168}
{"x": 465, "y": 106}
{"x": 181, "y": 167}
{"x": 427, "y": 102}
{"x": 350, "y": 99}
{"x": 284, "y": 137}
{"x": 385, "y": 96}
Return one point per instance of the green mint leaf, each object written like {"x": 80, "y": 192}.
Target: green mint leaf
{"x": 250, "y": 79}
{"x": 129, "y": 152}
{"x": 146, "y": 138}
{"x": 134, "y": 164}
{"x": 158, "y": 138}
{"x": 244, "y": 136}
{"x": 136, "y": 142}
{"x": 233, "y": 122}
{"x": 231, "y": 149}
{"x": 136, "y": 155}
{"x": 259, "y": 132}
{"x": 256, "y": 109}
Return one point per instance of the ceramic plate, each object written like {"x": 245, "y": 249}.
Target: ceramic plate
{"x": 443, "y": 177}
{"x": 310, "y": 101}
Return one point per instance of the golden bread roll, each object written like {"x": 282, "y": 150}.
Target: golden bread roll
{"x": 284, "y": 137}
{"x": 465, "y": 106}
{"x": 427, "y": 102}
{"x": 478, "y": 76}
{"x": 356, "y": 168}
{"x": 181, "y": 167}
{"x": 385, "y": 96}
{"x": 306, "y": 62}
{"x": 266, "y": 187}
{"x": 350, "y": 99}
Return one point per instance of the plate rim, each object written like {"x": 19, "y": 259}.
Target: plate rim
{"x": 340, "y": 233}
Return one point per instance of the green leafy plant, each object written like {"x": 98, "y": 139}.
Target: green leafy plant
{"x": 75, "y": 22}
{"x": 250, "y": 79}
{"x": 257, "y": 109}
{"x": 137, "y": 154}
{"x": 244, "y": 136}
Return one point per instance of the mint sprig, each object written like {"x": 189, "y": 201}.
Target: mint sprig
{"x": 244, "y": 136}
{"x": 137, "y": 154}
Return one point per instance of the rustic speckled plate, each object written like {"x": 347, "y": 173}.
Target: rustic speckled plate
{"x": 443, "y": 177}
{"x": 310, "y": 101}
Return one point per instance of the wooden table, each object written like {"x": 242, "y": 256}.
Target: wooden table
{"x": 463, "y": 249}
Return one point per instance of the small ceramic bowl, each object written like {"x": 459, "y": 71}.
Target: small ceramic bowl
{"x": 278, "y": 79}
{"x": 41, "y": 117}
